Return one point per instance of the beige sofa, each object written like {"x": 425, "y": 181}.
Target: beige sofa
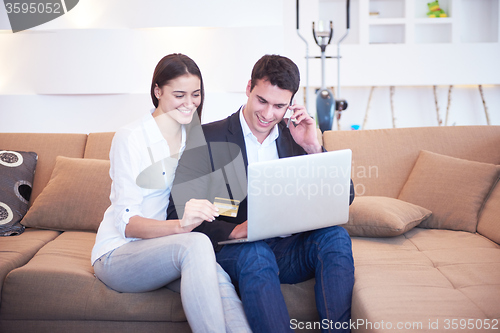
{"x": 414, "y": 273}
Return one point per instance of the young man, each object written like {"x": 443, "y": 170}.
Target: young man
{"x": 257, "y": 132}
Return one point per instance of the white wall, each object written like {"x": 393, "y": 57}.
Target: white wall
{"x": 90, "y": 70}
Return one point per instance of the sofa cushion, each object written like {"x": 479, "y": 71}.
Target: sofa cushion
{"x": 98, "y": 145}
{"x": 374, "y": 216}
{"x": 424, "y": 276}
{"x": 59, "y": 284}
{"x": 434, "y": 239}
{"x": 382, "y": 159}
{"x": 453, "y": 189}
{"x": 17, "y": 251}
{"x": 86, "y": 326}
{"x": 75, "y": 198}
{"x": 17, "y": 169}
{"x": 300, "y": 300}
{"x": 489, "y": 219}
{"x": 48, "y": 146}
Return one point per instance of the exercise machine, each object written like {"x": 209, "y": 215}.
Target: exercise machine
{"x": 327, "y": 108}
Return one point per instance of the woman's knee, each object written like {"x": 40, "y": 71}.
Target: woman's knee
{"x": 197, "y": 246}
{"x": 197, "y": 241}
{"x": 222, "y": 275}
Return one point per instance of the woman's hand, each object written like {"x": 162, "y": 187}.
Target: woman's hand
{"x": 197, "y": 211}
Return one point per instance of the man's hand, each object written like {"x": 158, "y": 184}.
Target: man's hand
{"x": 303, "y": 129}
{"x": 240, "y": 231}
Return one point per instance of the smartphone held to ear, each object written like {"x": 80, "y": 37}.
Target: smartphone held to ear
{"x": 290, "y": 120}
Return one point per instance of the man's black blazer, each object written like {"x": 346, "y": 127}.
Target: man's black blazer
{"x": 214, "y": 164}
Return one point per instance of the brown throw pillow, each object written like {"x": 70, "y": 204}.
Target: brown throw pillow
{"x": 75, "y": 198}
{"x": 374, "y": 216}
{"x": 489, "y": 218}
{"x": 453, "y": 189}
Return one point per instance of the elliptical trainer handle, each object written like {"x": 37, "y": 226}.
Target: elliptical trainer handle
{"x": 331, "y": 33}
{"x": 348, "y": 19}
{"x": 314, "y": 35}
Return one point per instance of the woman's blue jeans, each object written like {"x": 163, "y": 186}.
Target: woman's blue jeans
{"x": 258, "y": 268}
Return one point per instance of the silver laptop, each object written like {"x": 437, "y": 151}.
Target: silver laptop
{"x": 297, "y": 194}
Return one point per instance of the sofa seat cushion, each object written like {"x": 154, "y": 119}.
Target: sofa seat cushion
{"x": 413, "y": 308}
{"x": 425, "y": 276}
{"x": 484, "y": 295}
{"x": 17, "y": 251}
{"x": 300, "y": 300}
{"x": 432, "y": 239}
{"x": 59, "y": 284}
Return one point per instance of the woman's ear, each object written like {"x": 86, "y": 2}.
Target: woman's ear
{"x": 157, "y": 91}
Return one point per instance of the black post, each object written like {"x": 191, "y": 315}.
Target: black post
{"x": 298, "y": 14}
{"x": 348, "y": 14}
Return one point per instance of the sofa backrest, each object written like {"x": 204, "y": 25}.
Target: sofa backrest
{"x": 98, "y": 145}
{"x": 48, "y": 146}
{"x": 384, "y": 158}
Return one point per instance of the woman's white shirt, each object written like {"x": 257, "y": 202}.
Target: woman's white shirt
{"x": 134, "y": 191}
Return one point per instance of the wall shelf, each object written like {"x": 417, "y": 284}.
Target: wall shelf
{"x": 386, "y": 21}
{"x": 467, "y": 21}
{"x": 441, "y": 20}
{"x": 400, "y": 45}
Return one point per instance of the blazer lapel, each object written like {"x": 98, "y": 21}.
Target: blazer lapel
{"x": 285, "y": 142}
{"x": 235, "y": 135}
{"x": 239, "y": 167}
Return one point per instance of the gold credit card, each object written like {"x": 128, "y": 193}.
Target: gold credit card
{"x": 227, "y": 207}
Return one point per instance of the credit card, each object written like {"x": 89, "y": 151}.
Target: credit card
{"x": 227, "y": 207}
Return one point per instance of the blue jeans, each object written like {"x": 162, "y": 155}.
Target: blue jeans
{"x": 258, "y": 268}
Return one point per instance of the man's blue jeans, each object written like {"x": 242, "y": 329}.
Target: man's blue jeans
{"x": 258, "y": 268}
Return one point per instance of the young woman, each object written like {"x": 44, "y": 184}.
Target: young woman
{"x": 136, "y": 248}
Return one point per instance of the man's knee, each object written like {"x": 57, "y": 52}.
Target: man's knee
{"x": 251, "y": 256}
{"x": 335, "y": 233}
{"x": 257, "y": 253}
{"x": 333, "y": 239}
{"x": 248, "y": 261}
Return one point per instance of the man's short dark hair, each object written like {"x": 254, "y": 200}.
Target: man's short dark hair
{"x": 279, "y": 71}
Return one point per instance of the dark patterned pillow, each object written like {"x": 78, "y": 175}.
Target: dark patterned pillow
{"x": 17, "y": 169}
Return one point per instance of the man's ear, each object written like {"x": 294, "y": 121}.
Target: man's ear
{"x": 249, "y": 88}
